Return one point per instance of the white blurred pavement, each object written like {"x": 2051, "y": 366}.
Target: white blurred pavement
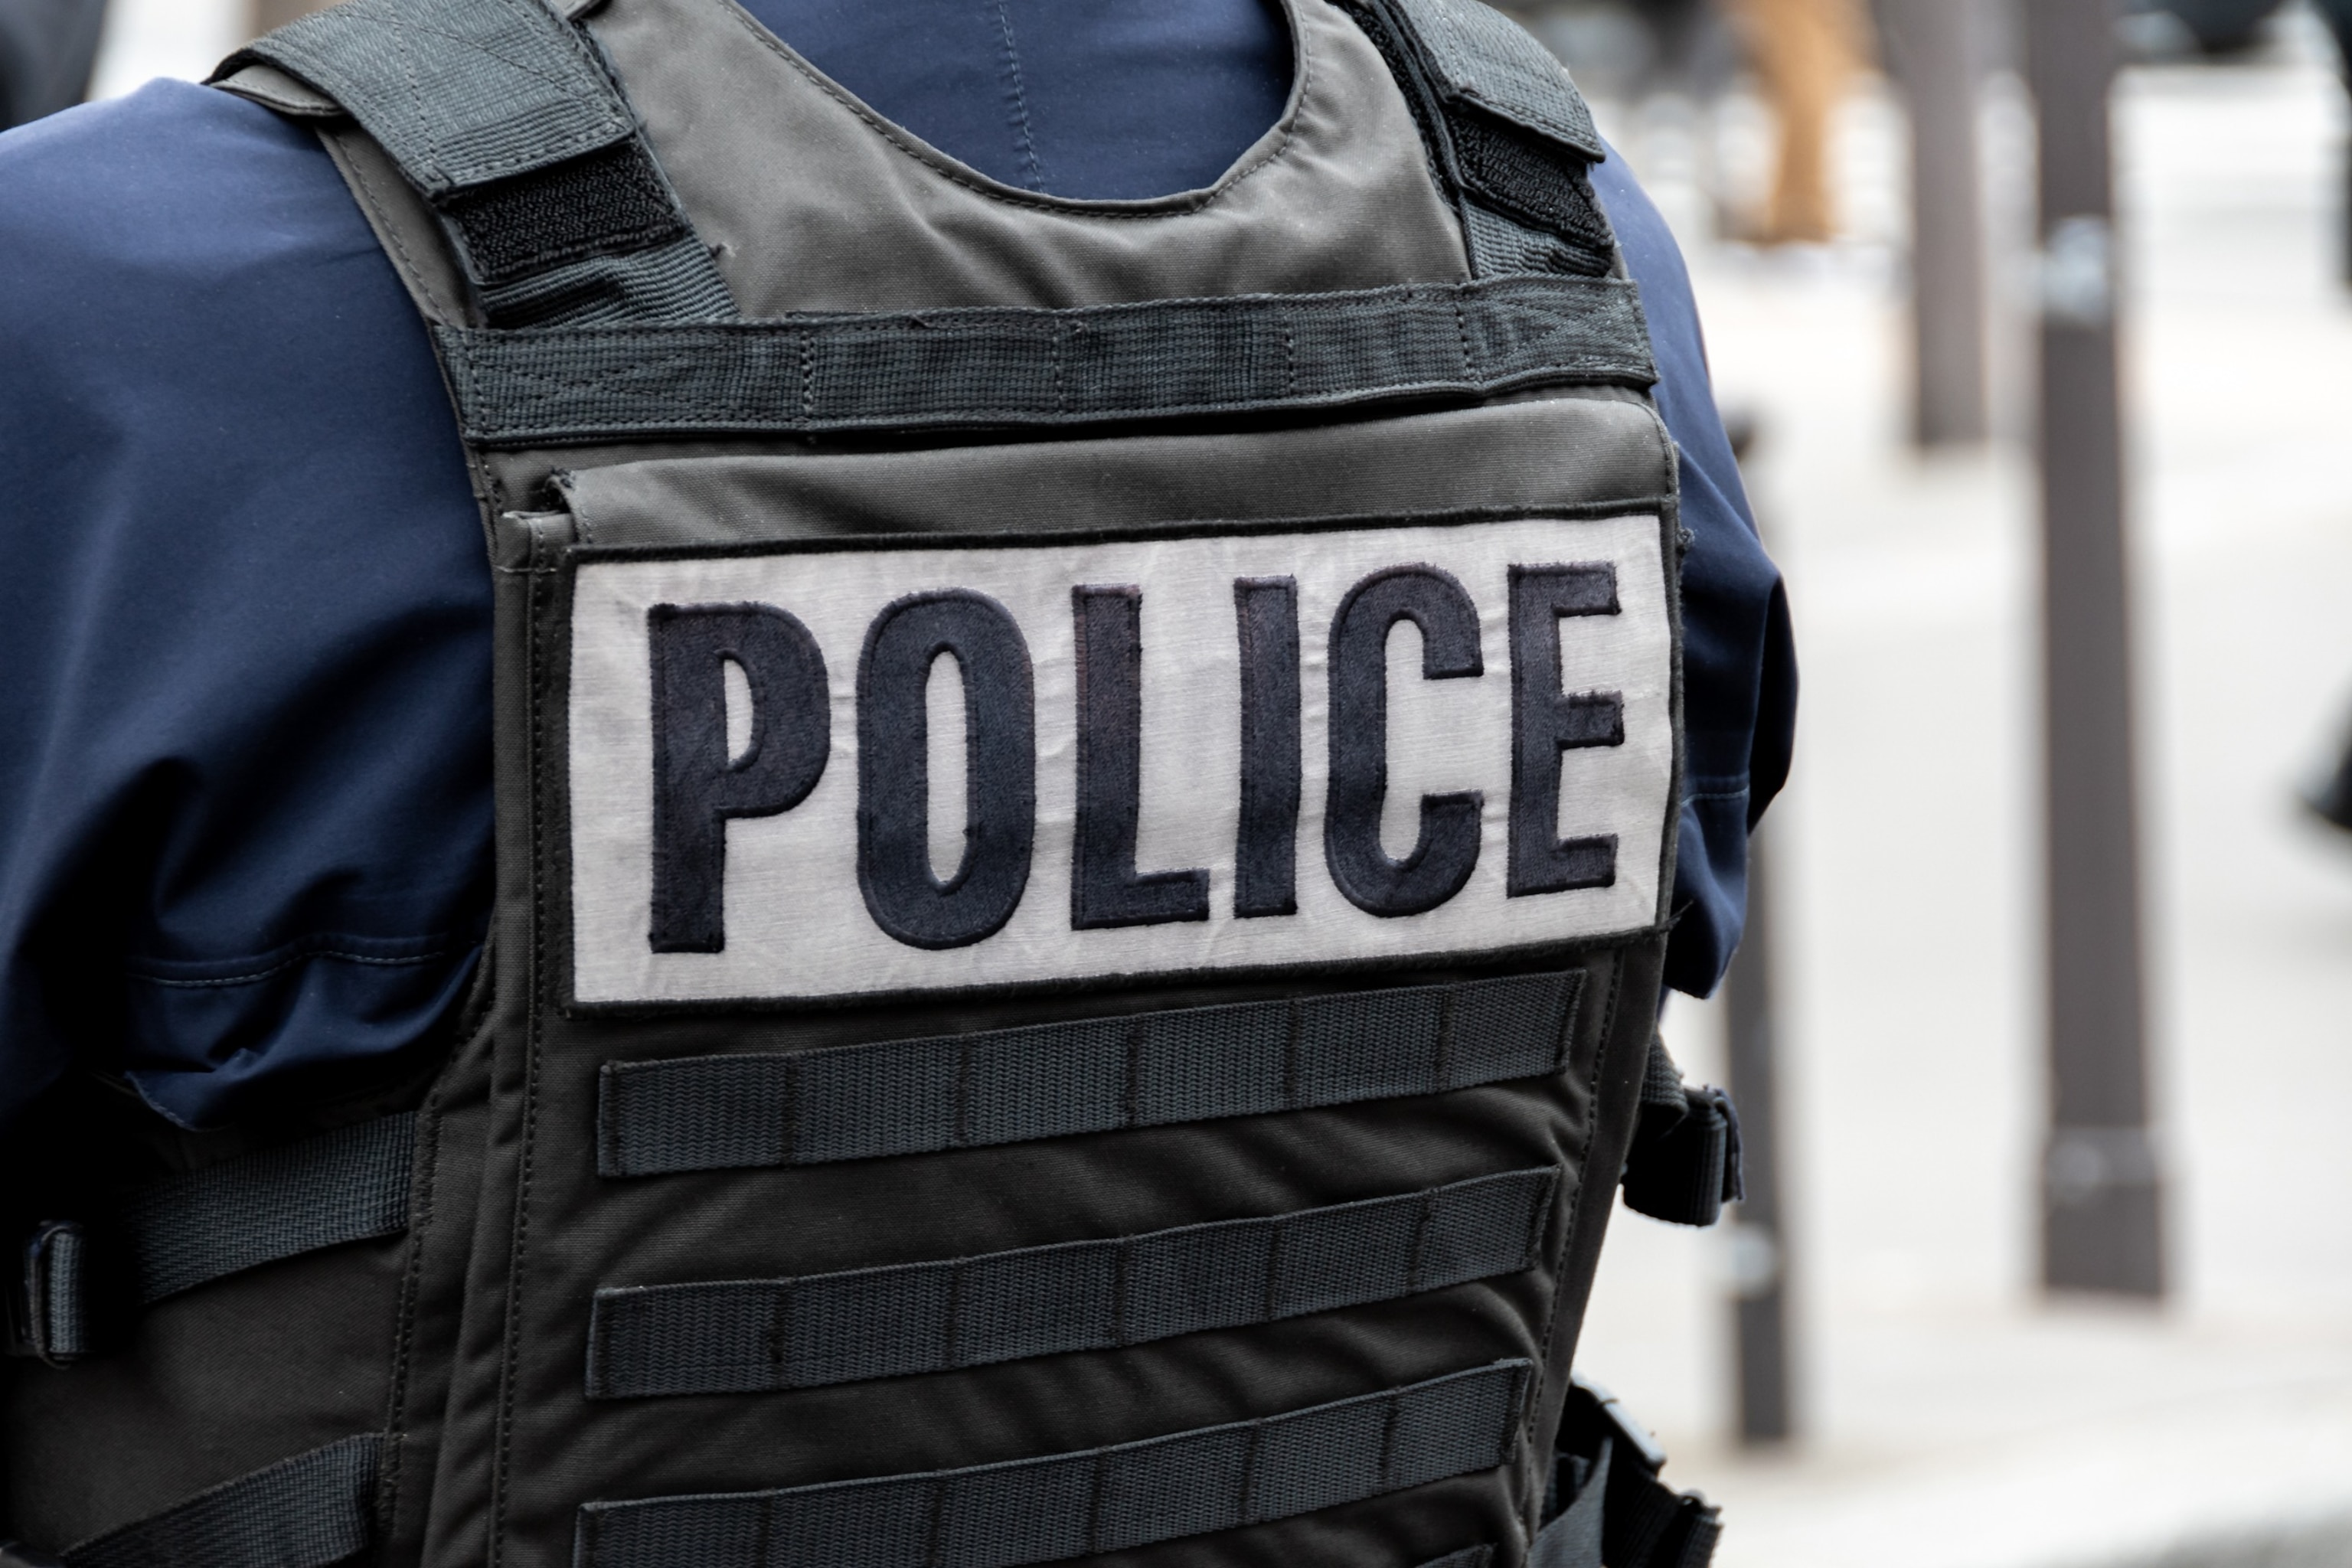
{"x": 1951, "y": 1419}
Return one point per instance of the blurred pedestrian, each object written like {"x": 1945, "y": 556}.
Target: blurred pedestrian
{"x": 46, "y": 48}
{"x": 1806, "y": 52}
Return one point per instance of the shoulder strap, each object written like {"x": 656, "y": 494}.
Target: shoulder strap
{"x": 1509, "y": 137}
{"x": 503, "y": 116}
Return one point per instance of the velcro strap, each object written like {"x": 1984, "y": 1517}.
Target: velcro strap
{"x": 1684, "y": 1163}
{"x": 980, "y": 367}
{"x": 458, "y": 93}
{"x": 304, "y": 1512}
{"x": 351, "y": 1184}
{"x": 500, "y": 113}
{"x": 1508, "y": 134}
{"x": 744, "y": 1336}
{"x": 1081, "y": 1504}
{"x": 1475, "y": 55}
{"x": 1096, "y": 1075}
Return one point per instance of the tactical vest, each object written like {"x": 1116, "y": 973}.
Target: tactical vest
{"x": 1086, "y": 798}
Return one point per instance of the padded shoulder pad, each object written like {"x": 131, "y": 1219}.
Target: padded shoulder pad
{"x": 1479, "y": 56}
{"x": 459, "y": 92}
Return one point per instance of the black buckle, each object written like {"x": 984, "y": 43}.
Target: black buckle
{"x": 1632, "y": 1437}
{"x": 49, "y": 1299}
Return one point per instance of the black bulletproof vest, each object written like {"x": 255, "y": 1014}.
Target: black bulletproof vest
{"x": 1085, "y": 815}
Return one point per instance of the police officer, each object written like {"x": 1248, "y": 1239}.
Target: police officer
{"x": 253, "y": 865}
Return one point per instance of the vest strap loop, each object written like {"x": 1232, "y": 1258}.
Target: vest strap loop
{"x": 350, "y": 1184}
{"x": 304, "y": 1512}
{"x": 752, "y": 1335}
{"x": 1081, "y": 1504}
{"x": 1093, "y": 1075}
{"x": 49, "y": 1296}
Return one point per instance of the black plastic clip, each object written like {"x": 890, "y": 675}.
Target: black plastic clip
{"x": 1684, "y": 1164}
{"x": 49, "y": 1299}
{"x": 1608, "y": 1505}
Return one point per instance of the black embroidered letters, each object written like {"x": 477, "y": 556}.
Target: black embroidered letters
{"x": 1547, "y": 722}
{"x": 700, "y": 784}
{"x": 1442, "y": 857}
{"x": 1265, "y": 848}
{"x": 894, "y": 860}
{"x": 1106, "y": 889}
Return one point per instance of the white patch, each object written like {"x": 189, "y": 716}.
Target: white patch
{"x": 796, "y": 923}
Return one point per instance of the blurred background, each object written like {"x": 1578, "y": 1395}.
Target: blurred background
{"x": 2032, "y": 318}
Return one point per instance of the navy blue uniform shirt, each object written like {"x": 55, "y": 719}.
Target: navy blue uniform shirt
{"x": 245, "y": 617}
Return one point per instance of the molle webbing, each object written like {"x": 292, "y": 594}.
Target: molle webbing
{"x": 972, "y": 368}
{"x": 1074, "y": 1505}
{"x": 1095, "y": 1074}
{"x": 351, "y": 1184}
{"x": 304, "y": 1512}
{"x": 502, "y": 115}
{"x": 744, "y": 1336}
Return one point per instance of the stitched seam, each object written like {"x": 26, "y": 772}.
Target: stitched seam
{"x": 279, "y": 968}
{"x": 1586, "y": 1186}
{"x": 515, "y": 1270}
{"x": 1028, "y": 142}
{"x": 447, "y": 309}
{"x": 428, "y": 1165}
{"x": 939, "y": 164}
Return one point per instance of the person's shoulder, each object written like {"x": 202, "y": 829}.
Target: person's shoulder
{"x": 167, "y": 189}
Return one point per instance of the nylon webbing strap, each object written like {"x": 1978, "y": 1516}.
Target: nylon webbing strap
{"x": 1468, "y": 1557}
{"x": 304, "y": 1512}
{"x": 1074, "y": 1505}
{"x": 1475, "y": 55}
{"x": 1507, "y": 134}
{"x": 745, "y": 1336}
{"x": 458, "y": 93}
{"x": 1010, "y": 366}
{"x": 501, "y": 115}
{"x": 350, "y": 1184}
{"x": 1096, "y": 1075}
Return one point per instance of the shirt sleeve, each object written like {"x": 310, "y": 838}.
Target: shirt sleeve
{"x": 245, "y": 776}
{"x": 1740, "y": 665}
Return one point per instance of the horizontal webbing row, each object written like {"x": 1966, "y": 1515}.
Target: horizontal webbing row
{"x": 1075, "y": 1505}
{"x": 351, "y": 1184}
{"x": 1093, "y": 1075}
{"x": 304, "y": 1512}
{"x": 750, "y": 1335}
{"x": 980, "y": 367}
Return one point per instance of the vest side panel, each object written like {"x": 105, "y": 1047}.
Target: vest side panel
{"x": 209, "y": 1386}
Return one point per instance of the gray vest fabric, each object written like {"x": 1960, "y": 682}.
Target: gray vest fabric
{"x": 1086, "y": 798}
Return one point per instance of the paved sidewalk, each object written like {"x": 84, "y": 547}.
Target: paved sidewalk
{"x": 1953, "y": 1421}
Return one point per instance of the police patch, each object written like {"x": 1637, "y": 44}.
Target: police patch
{"x": 832, "y": 769}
